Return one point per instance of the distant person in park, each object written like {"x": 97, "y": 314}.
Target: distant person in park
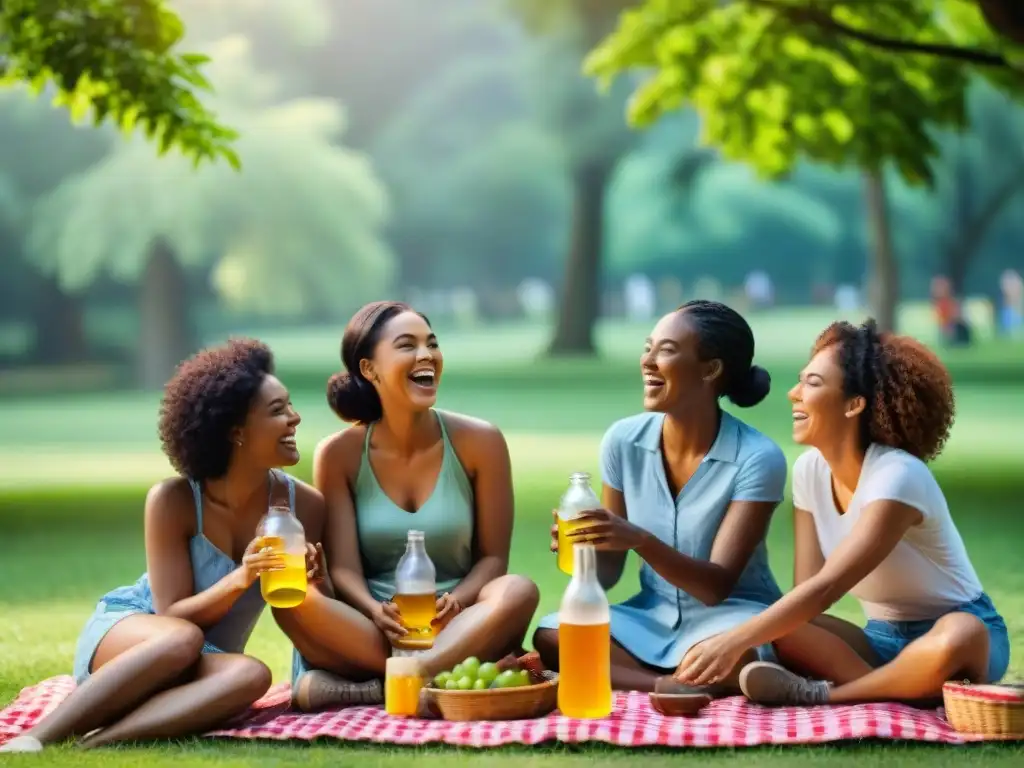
{"x": 405, "y": 465}
{"x": 869, "y": 519}
{"x": 163, "y": 658}
{"x": 691, "y": 489}
{"x": 1011, "y": 306}
{"x": 953, "y": 326}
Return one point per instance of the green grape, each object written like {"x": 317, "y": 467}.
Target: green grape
{"x": 465, "y": 683}
{"x": 441, "y": 679}
{"x": 506, "y": 679}
{"x": 471, "y": 666}
{"x": 451, "y": 685}
{"x": 458, "y": 671}
{"x": 488, "y": 671}
{"x": 522, "y": 678}
{"x": 480, "y": 685}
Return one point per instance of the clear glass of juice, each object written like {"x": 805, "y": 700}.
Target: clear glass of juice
{"x": 403, "y": 681}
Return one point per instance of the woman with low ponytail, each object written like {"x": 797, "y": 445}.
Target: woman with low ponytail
{"x": 404, "y": 464}
{"x": 691, "y": 489}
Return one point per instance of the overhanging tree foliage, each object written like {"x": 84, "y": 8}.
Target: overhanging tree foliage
{"x": 116, "y": 60}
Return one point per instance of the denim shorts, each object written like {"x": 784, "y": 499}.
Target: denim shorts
{"x": 889, "y": 638}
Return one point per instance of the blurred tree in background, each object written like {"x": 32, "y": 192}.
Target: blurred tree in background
{"x": 297, "y": 231}
{"x": 979, "y": 183}
{"x": 592, "y": 138}
{"x": 476, "y": 151}
{"x": 469, "y": 168}
{"x": 39, "y": 147}
{"x": 841, "y": 83}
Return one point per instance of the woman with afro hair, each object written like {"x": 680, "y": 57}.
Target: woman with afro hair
{"x": 869, "y": 519}
{"x": 163, "y": 658}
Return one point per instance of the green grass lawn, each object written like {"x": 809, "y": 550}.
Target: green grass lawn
{"x": 73, "y": 473}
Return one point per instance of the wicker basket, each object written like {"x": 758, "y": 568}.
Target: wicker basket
{"x": 523, "y": 703}
{"x": 989, "y": 711}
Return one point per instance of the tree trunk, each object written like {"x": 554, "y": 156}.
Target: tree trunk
{"x": 165, "y": 336}
{"x": 974, "y": 228}
{"x": 580, "y": 301}
{"x": 1005, "y": 17}
{"x": 885, "y": 273}
{"x": 59, "y": 325}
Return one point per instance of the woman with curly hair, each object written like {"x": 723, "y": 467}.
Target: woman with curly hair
{"x": 869, "y": 519}
{"x": 163, "y": 658}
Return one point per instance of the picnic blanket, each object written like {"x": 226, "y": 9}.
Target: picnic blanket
{"x": 732, "y": 722}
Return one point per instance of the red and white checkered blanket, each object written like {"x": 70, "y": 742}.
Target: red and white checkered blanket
{"x": 729, "y": 722}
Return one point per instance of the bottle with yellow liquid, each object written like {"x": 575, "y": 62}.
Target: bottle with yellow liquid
{"x": 584, "y": 641}
{"x": 416, "y": 594}
{"x": 579, "y": 497}
{"x": 281, "y": 530}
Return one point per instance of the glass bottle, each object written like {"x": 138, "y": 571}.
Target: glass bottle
{"x": 416, "y": 593}
{"x": 579, "y": 497}
{"x": 584, "y": 641}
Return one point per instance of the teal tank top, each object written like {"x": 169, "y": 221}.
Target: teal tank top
{"x": 446, "y": 519}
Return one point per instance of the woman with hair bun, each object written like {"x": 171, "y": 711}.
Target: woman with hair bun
{"x": 691, "y": 489}
{"x": 870, "y": 519}
{"x": 405, "y": 464}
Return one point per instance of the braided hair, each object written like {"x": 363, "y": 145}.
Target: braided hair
{"x": 907, "y": 390}
{"x": 723, "y": 334}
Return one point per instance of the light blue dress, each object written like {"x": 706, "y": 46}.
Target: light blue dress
{"x": 209, "y": 565}
{"x": 661, "y": 623}
{"x": 447, "y": 520}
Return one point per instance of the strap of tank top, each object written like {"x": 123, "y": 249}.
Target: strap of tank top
{"x": 444, "y": 432}
{"x": 364, "y": 462}
{"x": 197, "y": 495}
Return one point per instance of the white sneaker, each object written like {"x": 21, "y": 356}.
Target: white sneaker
{"x": 22, "y": 744}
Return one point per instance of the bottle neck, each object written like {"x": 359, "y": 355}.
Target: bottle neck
{"x": 584, "y": 563}
{"x": 414, "y": 545}
{"x": 579, "y": 480}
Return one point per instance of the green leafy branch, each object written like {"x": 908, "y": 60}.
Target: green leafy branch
{"x": 115, "y": 59}
{"x": 801, "y": 13}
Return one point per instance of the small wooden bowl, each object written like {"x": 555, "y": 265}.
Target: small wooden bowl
{"x": 990, "y": 711}
{"x": 679, "y": 704}
{"x": 523, "y": 703}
